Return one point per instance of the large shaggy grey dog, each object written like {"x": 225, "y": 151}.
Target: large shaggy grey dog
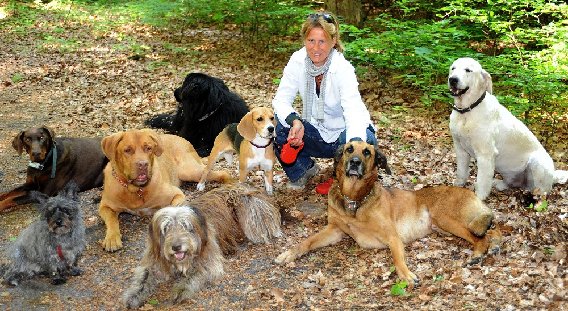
{"x": 186, "y": 243}
{"x": 52, "y": 244}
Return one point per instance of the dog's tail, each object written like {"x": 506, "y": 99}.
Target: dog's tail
{"x": 258, "y": 217}
{"x": 560, "y": 177}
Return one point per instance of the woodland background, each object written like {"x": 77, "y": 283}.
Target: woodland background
{"x": 92, "y": 68}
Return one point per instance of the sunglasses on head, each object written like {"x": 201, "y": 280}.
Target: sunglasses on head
{"x": 326, "y": 17}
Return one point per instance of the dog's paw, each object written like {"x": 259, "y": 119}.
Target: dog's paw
{"x": 112, "y": 242}
{"x": 494, "y": 250}
{"x": 411, "y": 279}
{"x": 474, "y": 261}
{"x": 200, "y": 186}
{"x": 288, "y": 256}
{"x": 58, "y": 280}
{"x": 75, "y": 271}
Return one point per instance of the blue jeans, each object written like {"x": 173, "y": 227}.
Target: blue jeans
{"x": 314, "y": 146}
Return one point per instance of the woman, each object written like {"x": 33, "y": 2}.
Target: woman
{"x": 333, "y": 111}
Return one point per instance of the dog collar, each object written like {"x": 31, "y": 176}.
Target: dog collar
{"x": 259, "y": 146}
{"x": 40, "y": 166}
{"x": 139, "y": 192}
{"x": 60, "y": 252}
{"x": 477, "y": 102}
{"x": 352, "y": 205}
{"x": 207, "y": 115}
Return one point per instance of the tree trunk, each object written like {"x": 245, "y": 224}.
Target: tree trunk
{"x": 349, "y": 10}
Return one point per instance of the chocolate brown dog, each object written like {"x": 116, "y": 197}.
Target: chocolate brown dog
{"x": 54, "y": 162}
{"x": 377, "y": 217}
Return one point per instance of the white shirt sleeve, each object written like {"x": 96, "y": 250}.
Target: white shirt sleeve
{"x": 288, "y": 88}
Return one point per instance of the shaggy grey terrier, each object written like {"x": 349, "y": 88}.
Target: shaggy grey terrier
{"x": 52, "y": 244}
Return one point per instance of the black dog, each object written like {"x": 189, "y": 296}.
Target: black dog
{"x": 54, "y": 162}
{"x": 205, "y": 107}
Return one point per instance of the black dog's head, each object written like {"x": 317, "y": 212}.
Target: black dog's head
{"x": 62, "y": 211}
{"x": 35, "y": 141}
{"x": 203, "y": 93}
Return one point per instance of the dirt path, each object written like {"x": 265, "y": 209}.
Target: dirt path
{"x": 98, "y": 88}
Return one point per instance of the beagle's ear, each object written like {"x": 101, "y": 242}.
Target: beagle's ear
{"x": 381, "y": 161}
{"x": 49, "y": 132}
{"x": 488, "y": 82}
{"x": 18, "y": 142}
{"x": 109, "y": 143}
{"x": 246, "y": 128}
{"x": 158, "y": 148}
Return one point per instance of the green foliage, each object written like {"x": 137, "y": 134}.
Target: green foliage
{"x": 17, "y": 77}
{"x": 399, "y": 288}
{"x": 263, "y": 23}
{"x": 521, "y": 43}
{"x": 540, "y": 206}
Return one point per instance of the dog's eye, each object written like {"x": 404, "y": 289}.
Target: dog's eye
{"x": 27, "y": 139}
{"x": 271, "y": 118}
{"x": 453, "y": 68}
{"x": 128, "y": 150}
{"x": 467, "y": 70}
{"x": 349, "y": 149}
{"x": 259, "y": 119}
{"x": 147, "y": 148}
{"x": 366, "y": 152}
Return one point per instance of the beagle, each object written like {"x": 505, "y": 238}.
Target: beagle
{"x": 251, "y": 139}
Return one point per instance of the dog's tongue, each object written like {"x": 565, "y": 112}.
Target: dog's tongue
{"x": 141, "y": 177}
{"x": 180, "y": 255}
{"x": 353, "y": 172}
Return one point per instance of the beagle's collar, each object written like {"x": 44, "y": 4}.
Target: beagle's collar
{"x": 40, "y": 166}
{"x": 477, "y": 102}
{"x": 261, "y": 146}
{"x": 124, "y": 183}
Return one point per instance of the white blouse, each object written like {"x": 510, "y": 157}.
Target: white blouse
{"x": 343, "y": 107}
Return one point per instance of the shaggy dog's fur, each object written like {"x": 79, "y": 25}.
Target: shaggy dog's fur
{"x": 51, "y": 245}
{"x": 186, "y": 243}
{"x": 205, "y": 107}
{"x": 78, "y": 159}
{"x": 485, "y": 130}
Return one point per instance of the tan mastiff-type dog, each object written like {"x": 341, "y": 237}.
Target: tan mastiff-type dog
{"x": 144, "y": 174}
{"x": 377, "y": 217}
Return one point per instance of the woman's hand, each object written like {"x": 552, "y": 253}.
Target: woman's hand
{"x": 296, "y": 134}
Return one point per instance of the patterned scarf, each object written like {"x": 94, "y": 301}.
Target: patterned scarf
{"x": 311, "y": 100}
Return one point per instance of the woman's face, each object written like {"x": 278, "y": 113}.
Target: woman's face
{"x": 318, "y": 46}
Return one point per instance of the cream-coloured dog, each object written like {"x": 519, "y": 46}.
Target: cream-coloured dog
{"x": 485, "y": 130}
{"x": 252, "y": 140}
{"x": 144, "y": 174}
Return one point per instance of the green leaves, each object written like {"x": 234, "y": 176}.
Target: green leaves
{"x": 399, "y": 288}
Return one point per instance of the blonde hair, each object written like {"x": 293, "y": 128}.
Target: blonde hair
{"x": 320, "y": 20}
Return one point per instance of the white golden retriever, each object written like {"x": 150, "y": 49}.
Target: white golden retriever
{"x": 485, "y": 130}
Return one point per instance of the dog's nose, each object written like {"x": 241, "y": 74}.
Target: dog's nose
{"x": 453, "y": 81}
{"x": 355, "y": 161}
{"x": 176, "y": 248}
{"x": 142, "y": 165}
{"x": 36, "y": 154}
{"x": 270, "y": 129}
{"x": 59, "y": 222}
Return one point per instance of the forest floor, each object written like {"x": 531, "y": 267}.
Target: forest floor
{"x": 86, "y": 81}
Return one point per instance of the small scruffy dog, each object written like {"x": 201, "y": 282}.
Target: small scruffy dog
{"x": 52, "y": 244}
{"x": 186, "y": 243}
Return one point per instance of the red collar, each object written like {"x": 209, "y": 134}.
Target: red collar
{"x": 124, "y": 183}
{"x": 60, "y": 252}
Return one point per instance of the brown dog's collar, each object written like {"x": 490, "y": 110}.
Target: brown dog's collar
{"x": 353, "y": 205}
{"x": 59, "y": 251}
{"x": 124, "y": 183}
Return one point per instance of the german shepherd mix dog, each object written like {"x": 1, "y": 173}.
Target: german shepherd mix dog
{"x": 54, "y": 162}
{"x": 377, "y": 217}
